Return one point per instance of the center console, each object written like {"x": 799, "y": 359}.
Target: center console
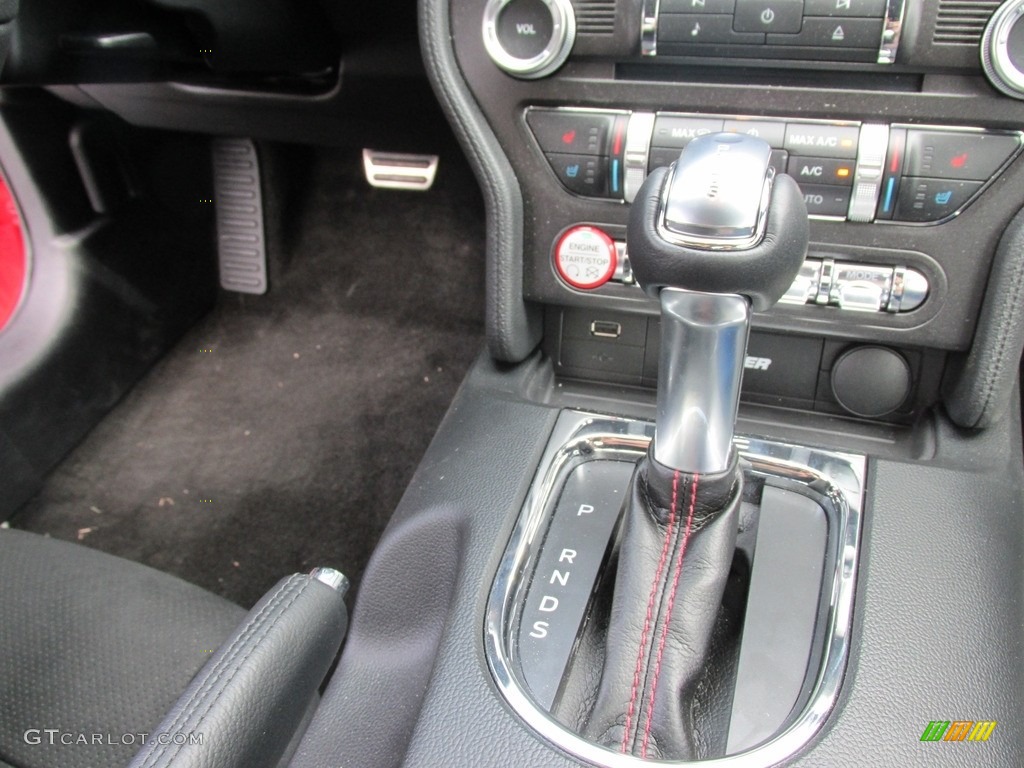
{"x": 878, "y": 433}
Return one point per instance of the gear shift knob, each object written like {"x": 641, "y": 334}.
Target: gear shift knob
{"x": 713, "y": 236}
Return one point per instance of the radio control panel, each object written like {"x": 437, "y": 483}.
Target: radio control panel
{"x": 856, "y": 171}
{"x": 836, "y": 30}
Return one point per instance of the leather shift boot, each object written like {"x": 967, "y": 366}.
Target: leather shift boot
{"x": 677, "y": 546}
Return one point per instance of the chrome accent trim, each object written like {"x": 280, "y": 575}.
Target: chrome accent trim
{"x": 703, "y": 347}
{"x": 334, "y": 579}
{"x": 867, "y": 176}
{"x": 891, "y": 31}
{"x": 623, "y": 270}
{"x": 835, "y": 480}
{"x": 805, "y": 287}
{"x": 995, "y": 51}
{"x": 635, "y": 156}
{"x": 915, "y": 290}
{"x": 861, "y": 287}
{"x": 717, "y": 199}
{"x": 563, "y": 35}
{"x": 825, "y": 283}
{"x": 399, "y": 170}
{"x": 896, "y": 295}
{"x": 649, "y": 27}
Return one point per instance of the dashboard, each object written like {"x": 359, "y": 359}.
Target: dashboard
{"x": 896, "y": 118}
{"x": 890, "y": 367}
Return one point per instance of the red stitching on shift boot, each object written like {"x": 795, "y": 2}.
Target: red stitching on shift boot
{"x": 668, "y": 614}
{"x": 650, "y": 609}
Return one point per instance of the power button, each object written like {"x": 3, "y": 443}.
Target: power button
{"x": 585, "y": 257}
{"x": 529, "y": 38}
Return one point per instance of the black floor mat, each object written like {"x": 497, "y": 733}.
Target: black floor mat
{"x": 282, "y": 431}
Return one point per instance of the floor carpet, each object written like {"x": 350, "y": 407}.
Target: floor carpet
{"x": 282, "y": 430}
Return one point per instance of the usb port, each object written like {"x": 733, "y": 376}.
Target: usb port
{"x": 605, "y": 329}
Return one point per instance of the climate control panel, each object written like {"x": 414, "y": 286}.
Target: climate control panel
{"x": 864, "y": 172}
{"x": 586, "y": 257}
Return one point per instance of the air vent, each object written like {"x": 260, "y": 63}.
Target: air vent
{"x": 962, "y": 22}
{"x": 595, "y": 17}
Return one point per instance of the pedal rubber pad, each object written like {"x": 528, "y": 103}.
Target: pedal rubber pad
{"x": 241, "y": 247}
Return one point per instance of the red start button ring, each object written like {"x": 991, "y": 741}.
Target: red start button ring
{"x": 585, "y": 257}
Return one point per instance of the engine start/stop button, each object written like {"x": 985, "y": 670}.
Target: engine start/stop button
{"x": 585, "y": 257}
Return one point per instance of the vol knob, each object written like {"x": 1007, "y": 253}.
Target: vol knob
{"x": 1002, "y": 49}
{"x": 529, "y": 38}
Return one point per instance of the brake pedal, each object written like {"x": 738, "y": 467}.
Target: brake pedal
{"x": 241, "y": 248}
{"x": 398, "y": 170}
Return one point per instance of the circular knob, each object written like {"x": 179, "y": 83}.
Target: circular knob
{"x": 529, "y": 38}
{"x": 871, "y": 381}
{"x": 1002, "y": 49}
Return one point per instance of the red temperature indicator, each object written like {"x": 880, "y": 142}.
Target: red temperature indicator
{"x": 585, "y": 257}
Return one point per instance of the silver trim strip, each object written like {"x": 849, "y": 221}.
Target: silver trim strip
{"x": 891, "y": 32}
{"x": 636, "y": 154}
{"x": 703, "y": 347}
{"x": 867, "y": 176}
{"x": 563, "y": 35}
{"x": 835, "y": 479}
{"x": 649, "y": 27}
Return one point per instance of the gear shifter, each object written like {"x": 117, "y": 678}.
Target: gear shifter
{"x": 720, "y": 233}
{"x": 714, "y": 236}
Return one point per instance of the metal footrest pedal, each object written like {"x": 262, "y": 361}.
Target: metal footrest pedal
{"x": 398, "y": 170}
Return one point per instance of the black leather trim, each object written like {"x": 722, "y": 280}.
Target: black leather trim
{"x": 249, "y": 699}
{"x": 762, "y": 273}
{"x": 678, "y": 540}
{"x": 513, "y": 326}
{"x": 978, "y": 387}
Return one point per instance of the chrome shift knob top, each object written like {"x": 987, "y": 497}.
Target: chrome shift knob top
{"x": 719, "y": 221}
{"x": 716, "y": 196}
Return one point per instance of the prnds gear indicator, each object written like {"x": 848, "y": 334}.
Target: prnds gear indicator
{"x": 585, "y": 257}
